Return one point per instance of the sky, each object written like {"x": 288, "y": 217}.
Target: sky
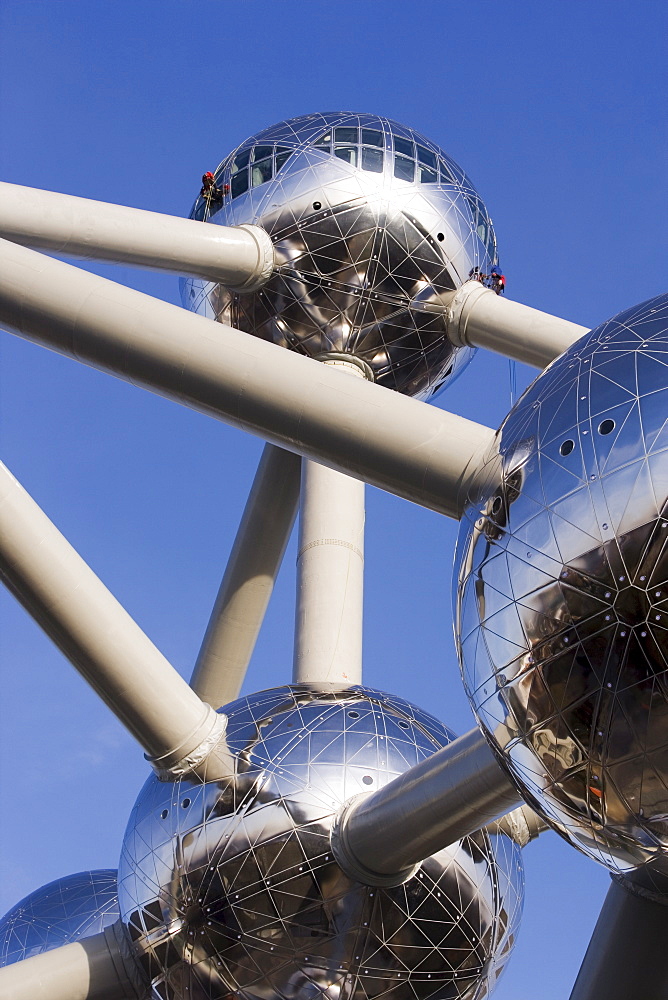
{"x": 554, "y": 111}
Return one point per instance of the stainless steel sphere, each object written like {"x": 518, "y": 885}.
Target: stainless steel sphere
{"x": 562, "y": 592}
{"x": 371, "y": 223}
{"x": 232, "y": 891}
{"x": 63, "y": 911}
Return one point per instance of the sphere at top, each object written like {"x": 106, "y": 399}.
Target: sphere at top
{"x": 233, "y": 891}
{"x": 59, "y": 913}
{"x": 562, "y": 607}
{"x": 371, "y": 224}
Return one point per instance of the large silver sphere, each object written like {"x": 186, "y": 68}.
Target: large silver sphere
{"x": 371, "y": 223}
{"x": 59, "y": 913}
{"x": 562, "y": 609}
{"x": 234, "y": 892}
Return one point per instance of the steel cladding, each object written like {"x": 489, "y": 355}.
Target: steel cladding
{"x": 562, "y": 592}
{"x": 232, "y": 890}
{"x": 371, "y": 224}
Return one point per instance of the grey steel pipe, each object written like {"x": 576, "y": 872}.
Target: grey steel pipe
{"x": 379, "y": 838}
{"x": 177, "y": 730}
{"x": 249, "y": 578}
{"x": 626, "y": 957}
{"x": 478, "y": 317}
{"x": 96, "y": 968}
{"x": 399, "y": 444}
{"x": 240, "y": 257}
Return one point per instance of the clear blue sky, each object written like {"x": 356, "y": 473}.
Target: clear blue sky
{"x": 552, "y": 108}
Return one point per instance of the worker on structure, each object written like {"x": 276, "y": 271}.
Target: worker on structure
{"x": 475, "y": 274}
{"x": 209, "y": 189}
{"x": 497, "y": 280}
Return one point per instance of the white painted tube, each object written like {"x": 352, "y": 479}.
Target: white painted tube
{"x": 240, "y": 257}
{"x": 417, "y": 451}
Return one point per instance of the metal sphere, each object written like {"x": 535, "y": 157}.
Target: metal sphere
{"x": 371, "y": 224}
{"x": 63, "y": 911}
{"x": 233, "y": 891}
{"x": 562, "y": 607}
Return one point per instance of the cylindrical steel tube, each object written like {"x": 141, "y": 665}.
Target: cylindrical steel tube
{"x": 330, "y": 578}
{"x": 100, "y": 638}
{"x": 240, "y": 257}
{"x": 476, "y": 316}
{"x": 249, "y": 578}
{"x": 626, "y": 957}
{"x": 91, "y": 969}
{"x": 456, "y": 791}
{"x": 417, "y": 451}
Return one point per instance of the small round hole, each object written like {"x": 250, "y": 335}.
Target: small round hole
{"x": 367, "y": 779}
{"x": 496, "y": 506}
{"x": 185, "y": 803}
{"x": 164, "y": 814}
{"x": 440, "y": 237}
{"x": 606, "y": 426}
{"x": 317, "y": 206}
{"x": 403, "y": 724}
{"x": 354, "y": 715}
{"x": 567, "y": 447}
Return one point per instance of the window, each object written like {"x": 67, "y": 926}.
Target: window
{"x": 261, "y": 152}
{"x": 404, "y": 146}
{"x": 282, "y": 154}
{"x": 372, "y": 159}
{"x": 426, "y": 175}
{"x": 241, "y": 160}
{"x": 345, "y": 134}
{"x": 239, "y": 183}
{"x": 427, "y": 157}
{"x": 324, "y": 142}
{"x": 404, "y": 168}
{"x": 447, "y": 176}
{"x": 347, "y": 153}
{"x": 371, "y": 137}
{"x": 262, "y": 170}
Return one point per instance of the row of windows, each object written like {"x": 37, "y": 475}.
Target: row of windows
{"x": 363, "y": 148}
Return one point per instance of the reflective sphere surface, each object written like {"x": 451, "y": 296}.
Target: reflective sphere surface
{"x": 63, "y": 911}
{"x": 232, "y": 891}
{"x": 562, "y": 610}
{"x": 371, "y": 223}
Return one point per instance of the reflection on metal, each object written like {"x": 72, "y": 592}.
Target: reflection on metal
{"x": 563, "y": 592}
{"x": 522, "y": 825}
{"x": 234, "y": 890}
{"x": 372, "y": 224}
{"x": 63, "y": 911}
{"x": 453, "y": 793}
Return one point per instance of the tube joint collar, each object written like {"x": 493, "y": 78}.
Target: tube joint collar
{"x": 345, "y": 856}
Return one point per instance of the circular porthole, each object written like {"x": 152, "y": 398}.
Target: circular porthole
{"x": 567, "y": 447}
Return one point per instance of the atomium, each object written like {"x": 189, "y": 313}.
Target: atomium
{"x": 562, "y": 592}
{"x": 233, "y": 889}
{"x": 69, "y": 909}
{"x": 371, "y": 223}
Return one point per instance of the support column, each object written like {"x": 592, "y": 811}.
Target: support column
{"x": 330, "y": 574}
{"x": 249, "y": 578}
{"x": 626, "y": 957}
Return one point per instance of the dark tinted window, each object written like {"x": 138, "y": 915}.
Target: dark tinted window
{"x": 347, "y": 153}
{"x": 425, "y": 156}
{"x": 447, "y": 176}
{"x": 241, "y": 160}
{"x": 239, "y": 183}
{"x": 427, "y": 175}
{"x": 324, "y": 140}
{"x": 404, "y": 168}
{"x": 372, "y": 159}
{"x": 281, "y": 158}
{"x": 404, "y": 146}
{"x": 370, "y": 137}
{"x": 261, "y": 172}
{"x": 345, "y": 134}
{"x": 262, "y": 151}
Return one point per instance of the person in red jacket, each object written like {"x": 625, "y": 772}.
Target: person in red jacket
{"x": 498, "y": 280}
